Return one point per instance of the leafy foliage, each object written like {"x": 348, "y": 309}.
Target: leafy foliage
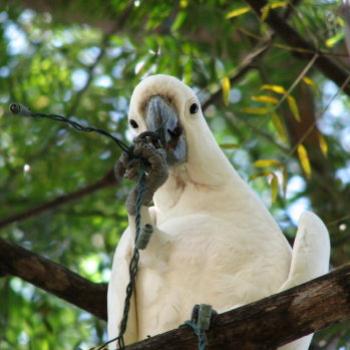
{"x": 83, "y": 59}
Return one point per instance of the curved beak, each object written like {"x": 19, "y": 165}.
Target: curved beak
{"x": 162, "y": 118}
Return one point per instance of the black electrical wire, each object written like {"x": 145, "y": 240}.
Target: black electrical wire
{"x": 19, "y": 109}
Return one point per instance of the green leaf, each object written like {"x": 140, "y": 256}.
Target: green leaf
{"x": 323, "y": 145}
{"x": 278, "y": 89}
{"x": 273, "y": 182}
{"x": 280, "y": 128}
{"x": 264, "y": 163}
{"x": 179, "y": 21}
{"x": 331, "y": 42}
{"x": 41, "y": 102}
{"x": 284, "y": 181}
{"x": 304, "y": 160}
{"x": 274, "y": 187}
{"x": 226, "y": 87}
{"x": 261, "y": 174}
{"x": 229, "y": 145}
{"x": 238, "y": 12}
{"x": 265, "y": 11}
{"x": 293, "y": 108}
{"x": 256, "y": 110}
{"x": 265, "y": 99}
{"x": 309, "y": 81}
{"x": 183, "y": 3}
{"x": 278, "y": 4}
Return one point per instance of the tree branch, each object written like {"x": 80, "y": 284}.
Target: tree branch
{"x": 250, "y": 61}
{"x": 90, "y": 75}
{"x": 270, "y": 322}
{"x": 116, "y": 27}
{"x": 53, "y": 278}
{"x": 247, "y": 64}
{"x": 265, "y": 324}
{"x": 108, "y": 180}
{"x": 305, "y": 49}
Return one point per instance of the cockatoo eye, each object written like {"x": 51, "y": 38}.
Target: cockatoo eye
{"x": 133, "y": 124}
{"x": 194, "y": 108}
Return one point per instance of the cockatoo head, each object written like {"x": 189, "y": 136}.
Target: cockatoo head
{"x": 163, "y": 104}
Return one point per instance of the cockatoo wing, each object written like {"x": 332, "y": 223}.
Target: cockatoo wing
{"x": 310, "y": 259}
{"x": 117, "y": 291}
{"x": 311, "y": 251}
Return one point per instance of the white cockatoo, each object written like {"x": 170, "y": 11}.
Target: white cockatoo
{"x": 214, "y": 242}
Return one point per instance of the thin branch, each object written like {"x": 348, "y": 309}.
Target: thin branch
{"x": 270, "y": 322}
{"x": 291, "y": 7}
{"x": 106, "y": 181}
{"x": 118, "y": 25}
{"x": 325, "y": 65}
{"x": 312, "y": 126}
{"x": 90, "y": 76}
{"x": 286, "y": 47}
{"x": 53, "y": 278}
{"x": 249, "y": 62}
{"x": 297, "y": 81}
{"x": 231, "y": 118}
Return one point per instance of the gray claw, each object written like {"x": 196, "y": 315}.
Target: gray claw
{"x": 133, "y": 169}
{"x": 121, "y": 165}
{"x": 156, "y": 174}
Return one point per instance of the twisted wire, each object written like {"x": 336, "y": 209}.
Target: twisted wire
{"x": 133, "y": 267}
{"x": 17, "y": 108}
{"x": 200, "y": 333}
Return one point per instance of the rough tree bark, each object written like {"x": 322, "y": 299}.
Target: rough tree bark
{"x": 265, "y": 324}
{"x": 270, "y": 322}
{"x": 53, "y": 278}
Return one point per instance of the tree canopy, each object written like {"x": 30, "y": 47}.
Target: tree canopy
{"x": 273, "y": 79}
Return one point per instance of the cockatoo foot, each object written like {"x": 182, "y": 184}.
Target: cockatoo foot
{"x": 148, "y": 158}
